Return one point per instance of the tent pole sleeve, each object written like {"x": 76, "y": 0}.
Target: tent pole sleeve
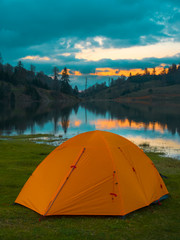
{"x": 61, "y": 186}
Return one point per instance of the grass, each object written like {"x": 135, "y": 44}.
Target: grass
{"x": 145, "y": 144}
{"x": 31, "y": 136}
{"x": 18, "y": 159}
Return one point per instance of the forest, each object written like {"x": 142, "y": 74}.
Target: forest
{"x": 20, "y": 84}
{"x": 134, "y": 85}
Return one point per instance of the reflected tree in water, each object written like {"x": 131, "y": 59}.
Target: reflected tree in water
{"x": 65, "y": 123}
{"x": 18, "y": 119}
{"x": 61, "y": 115}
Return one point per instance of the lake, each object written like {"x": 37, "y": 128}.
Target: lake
{"x": 151, "y": 126}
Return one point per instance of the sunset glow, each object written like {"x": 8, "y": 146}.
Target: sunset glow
{"x": 72, "y": 72}
{"x": 118, "y": 72}
{"x": 76, "y": 73}
{"x": 159, "y": 50}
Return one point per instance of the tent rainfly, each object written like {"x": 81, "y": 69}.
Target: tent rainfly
{"x": 93, "y": 173}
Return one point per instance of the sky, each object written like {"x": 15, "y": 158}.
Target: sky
{"x": 92, "y": 37}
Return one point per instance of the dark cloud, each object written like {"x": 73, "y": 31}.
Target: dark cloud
{"x": 127, "y": 64}
{"x": 52, "y": 28}
{"x": 90, "y": 67}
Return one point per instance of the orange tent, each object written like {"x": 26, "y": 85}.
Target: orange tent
{"x": 93, "y": 173}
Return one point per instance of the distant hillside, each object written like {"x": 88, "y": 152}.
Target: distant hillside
{"x": 19, "y": 85}
{"x": 165, "y": 86}
{"x": 23, "y": 95}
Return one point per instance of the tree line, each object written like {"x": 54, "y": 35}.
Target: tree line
{"x": 31, "y": 80}
{"x": 133, "y": 83}
{"x": 168, "y": 76}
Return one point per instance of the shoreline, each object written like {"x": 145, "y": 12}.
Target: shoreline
{"x": 56, "y": 140}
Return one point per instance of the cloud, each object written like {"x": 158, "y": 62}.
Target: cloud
{"x": 158, "y": 50}
{"x": 36, "y": 58}
{"x": 82, "y": 67}
{"x": 56, "y": 32}
{"x": 41, "y": 21}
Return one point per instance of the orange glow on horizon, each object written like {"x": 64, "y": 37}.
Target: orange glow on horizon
{"x": 118, "y": 72}
{"x": 71, "y": 72}
{"x": 126, "y": 73}
{"x": 114, "y": 124}
{"x": 77, "y": 73}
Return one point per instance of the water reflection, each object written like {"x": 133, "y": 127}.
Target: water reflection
{"x": 108, "y": 124}
{"x": 166, "y": 116}
{"x": 35, "y": 118}
{"x": 152, "y": 123}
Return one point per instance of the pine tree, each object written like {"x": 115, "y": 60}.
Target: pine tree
{"x": 75, "y": 91}
{"x": 19, "y": 65}
{"x": 146, "y": 72}
{"x": 32, "y": 68}
{"x": 64, "y": 82}
{"x": 55, "y": 80}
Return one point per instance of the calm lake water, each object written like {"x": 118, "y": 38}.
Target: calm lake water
{"x": 154, "y": 126}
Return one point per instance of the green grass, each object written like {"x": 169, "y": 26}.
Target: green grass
{"x": 31, "y": 136}
{"x": 19, "y": 157}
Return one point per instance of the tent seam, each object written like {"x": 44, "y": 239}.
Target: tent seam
{"x": 61, "y": 187}
{"x": 104, "y": 140}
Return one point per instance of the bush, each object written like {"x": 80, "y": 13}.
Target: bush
{"x": 31, "y": 91}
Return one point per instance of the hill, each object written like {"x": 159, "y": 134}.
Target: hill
{"x": 19, "y": 85}
{"x": 163, "y": 87}
{"x": 27, "y": 94}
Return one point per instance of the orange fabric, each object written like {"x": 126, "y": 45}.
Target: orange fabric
{"x": 94, "y": 173}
